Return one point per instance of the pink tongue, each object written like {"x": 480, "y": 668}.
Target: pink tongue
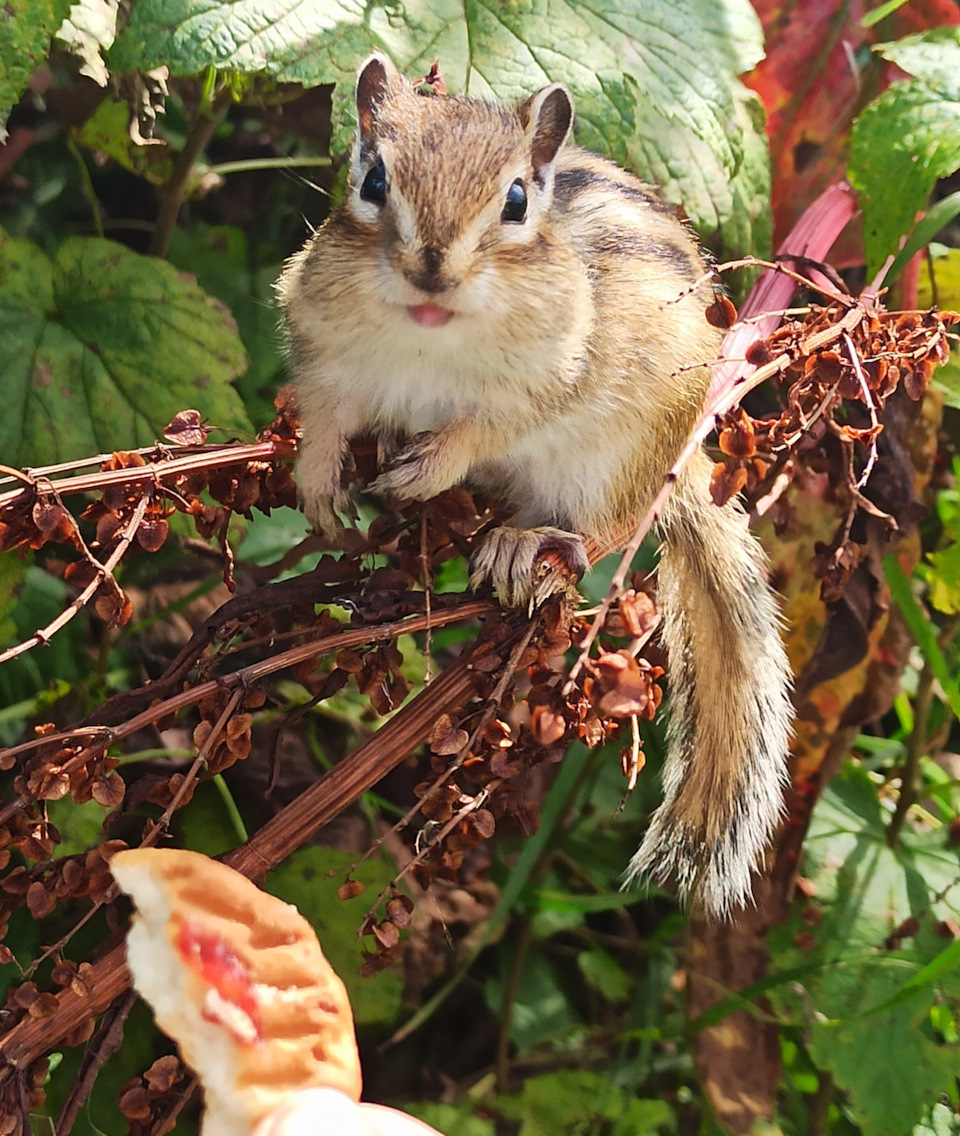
{"x": 430, "y": 315}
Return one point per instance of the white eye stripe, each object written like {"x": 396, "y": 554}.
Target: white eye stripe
{"x": 362, "y": 210}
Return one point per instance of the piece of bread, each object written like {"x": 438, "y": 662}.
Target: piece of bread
{"x": 237, "y": 978}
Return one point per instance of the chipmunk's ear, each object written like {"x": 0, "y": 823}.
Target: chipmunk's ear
{"x": 546, "y": 117}
{"x": 377, "y": 79}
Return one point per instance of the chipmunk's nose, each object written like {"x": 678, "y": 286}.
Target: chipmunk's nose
{"x": 427, "y": 275}
{"x": 432, "y": 260}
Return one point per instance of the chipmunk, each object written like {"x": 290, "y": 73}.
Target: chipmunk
{"x": 502, "y": 309}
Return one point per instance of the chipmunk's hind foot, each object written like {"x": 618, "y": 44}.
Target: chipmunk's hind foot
{"x": 528, "y": 566}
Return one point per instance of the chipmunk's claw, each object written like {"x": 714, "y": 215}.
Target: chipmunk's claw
{"x": 528, "y": 566}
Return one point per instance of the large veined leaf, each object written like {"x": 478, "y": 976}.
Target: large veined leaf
{"x": 907, "y": 138}
{"x": 25, "y": 30}
{"x": 655, "y": 81}
{"x": 100, "y": 347}
{"x": 876, "y": 958}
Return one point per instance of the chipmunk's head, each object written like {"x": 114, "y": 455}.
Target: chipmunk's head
{"x": 453, "y": 190}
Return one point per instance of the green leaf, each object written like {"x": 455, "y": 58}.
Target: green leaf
{"x": 100, "y": 348}
{"x": 542, "y": 1007}
{"x": 601, "y": 972}
{"x": 940, "y": 280}
{"x": 451, "y": 1119}
{"x": 750, "y": 223}
{"x": 655, "y": 81}
{"x": 604, "y": 901}
{"x": 877, "y": 14}
{"x": 293, "y": 42}
{"x": 221, "y": 259}
{"x": 946, "y": 379}
{"x": 267, "y": 539}
{"x": 205, "y": 825}
{"x": 922, "y": 630}
{"x": 107, "y": 131}
{"x": 943, "y": 577}
{"x": 867, "y": 998}
{"x": 937, "y": 217}
{"x": 13, "y": 573}
{"x": 574, "y": 1101}
{"x": 248, "y": 36}
{"x": 933, "y": 56}
{"x": 304, "y": 879}
{"x": 80, "y": 826}
{"x": 889, "y": 1065}
{"x": 900, "y": 145}
{"x": 25, "y": 31}
{"x": 24, "y": 680}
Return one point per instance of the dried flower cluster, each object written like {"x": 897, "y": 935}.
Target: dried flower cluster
{"x": 132, "y": 512}
{"x": 148, "y": 1101}
{"x": 480, "y": 779}
{"x": 836, "y": 367}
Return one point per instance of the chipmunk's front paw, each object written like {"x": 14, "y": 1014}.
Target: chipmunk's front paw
{"x": 324, "y": 514}
{"x": 419, "y": 471}
{"x": 528, "y": 566}
{"x": 324, "y": 504}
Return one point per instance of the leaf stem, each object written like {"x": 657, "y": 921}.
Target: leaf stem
{"x": 86, "y": 186}
{"x": 919, "y": 741}
{"x": 522, "y": 949}
{"x": 239, "y": 828}
{"x": 916, "y": 748}
{"x": 819, "y": 1111}
{"x": 248, "y": 164}
{"x": 176, "y": 188}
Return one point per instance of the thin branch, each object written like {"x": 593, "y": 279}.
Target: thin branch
{"x": 249, "y": 164}
{"x": 104, "y": 572}
{"x": 509, "y": 1001}
{"x": 108, "y": 977}
{"x": 493, "y": 703}
{"x": 175, "y": 190}
{"x": 350, "y": 636}
{"x": 157, "y": 829}
{"x": 470, "y": 806}
{"x": 916, "y": 748}
{"x": 871, "y": 406}
{"x": 101, "y": 1047}
{"x": 918, "y": 742}
{"x": 197, "y": 458}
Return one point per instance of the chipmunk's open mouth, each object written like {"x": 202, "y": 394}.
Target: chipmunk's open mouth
{"x": 429, "y": 315}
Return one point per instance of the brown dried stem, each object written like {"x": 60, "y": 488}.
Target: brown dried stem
{"x": 101, "y": 1047}
{"x": 163, "y": 467}
{"x": 108, "y": 978}
{"x": 201, "y": 760}
{"x": 103, "y": 575}
{"x": 493, "y": 704}
{"x": 350, "y": 636}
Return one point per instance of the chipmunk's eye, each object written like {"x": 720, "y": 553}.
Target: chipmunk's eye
{"x": 515, "y": 208}
{"x": 374, "y": 186}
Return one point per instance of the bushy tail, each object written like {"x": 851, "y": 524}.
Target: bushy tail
{"x": 730, "y": 707}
